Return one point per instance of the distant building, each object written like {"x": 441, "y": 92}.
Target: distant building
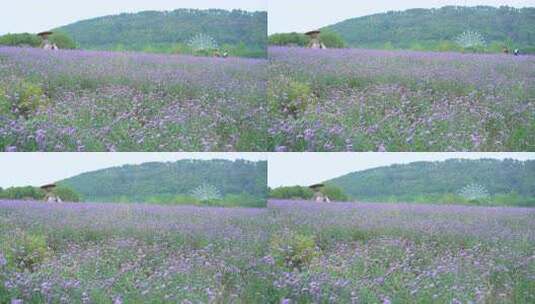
{"x": 50, "y": 197}
{"x": 46, "y": 44}
{"x": 315, "y": 41}
{"x": 319, "y": 197}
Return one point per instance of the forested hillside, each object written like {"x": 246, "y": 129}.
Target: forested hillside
{"x": 438, "y": 28}
{"x": 151, "y": 30}
{"x": 440, "y": 178}
{"x": 165, "y": 182}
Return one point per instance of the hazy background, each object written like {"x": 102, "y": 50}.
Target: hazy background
{"x": 303, "y": 15}
{"x": 291, "y": 169}
{"x": 23, "y": 169}
{"x": 37, "y": 15}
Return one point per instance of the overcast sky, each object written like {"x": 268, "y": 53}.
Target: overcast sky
{"x": 305, "y": 15}
{"x": 23, "y": 169}
{"x": 291, "y": 169}
{"x": 39, "y": 15}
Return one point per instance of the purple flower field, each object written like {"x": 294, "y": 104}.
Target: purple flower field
{"x": 290, "y": 252}
{"x": 372, "y": 100}
{"x": 113, "y": 101}
{"x": 99, "y": 253}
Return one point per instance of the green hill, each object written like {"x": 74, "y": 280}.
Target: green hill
{"x": 153, "y": 30}
{"x": 238, "y": 182}
{"x": 509, "y": 179}
{"x": 438, "y": 28}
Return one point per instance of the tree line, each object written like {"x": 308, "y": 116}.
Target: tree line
{"x": 62, "y": 40}
{"x": 175, "y": 182}
{"x": 429, "y": 30}
{"x": 437, "y": 29}
{"x": 34, "y": 193}
{"x": 508, "y": 182}
{"x": 237, "y": 31}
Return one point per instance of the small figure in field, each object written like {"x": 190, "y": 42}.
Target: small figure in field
{"x": 516, "y": 52}
{"x": 319, "y": 197}
{"x": 46, "y": 44}
{"x": 315, "y": 41}
{"x": 52, "y": 47}
{"x": 50, "y": 196}
{"x": 219, "y": 54}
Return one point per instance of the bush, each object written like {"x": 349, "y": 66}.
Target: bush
{"x": 296, "y": 192}
{"x": 26, "y": 250}
{"x": 334, "y": 193}
{"x": 332, "y": 40}
{"x": 67, "y": 194}
{"x": 24, "y": 39}
{"x": 289, "y": 96}
{"x": 293, "y": 250}
{"x": 17, "y": 193}
{"x": 288, "y": 39}
{"x": 34, "y": 193}
{"x": 62, "y": 41}
{"x": 28, "y": 98}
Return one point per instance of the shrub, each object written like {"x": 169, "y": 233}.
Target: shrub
{"x": 27, "y": 98}
{"x": 27, "y": 250}
{"x": 66, "y": 194}
{"x": 24, "y": 39}
{"x": 22, "y": 193}
{"x": 293, "y": 250}
{"x": 288, "y": 39}
{"x": 291, "y": 193}
{"x": 334, "y": 193}
{"x": 62, "y": 40}
{"x": 332, "y": 40}
{"x": 289, "y": 96}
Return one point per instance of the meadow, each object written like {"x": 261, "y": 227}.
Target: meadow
{"x": 123, "y": 101}
{"x": 374, "y": 100}
{"x": 290, "y": 252}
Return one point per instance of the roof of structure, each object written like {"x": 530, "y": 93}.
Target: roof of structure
{"x": 317, "y": 186}
{"x": 48, "y": 186}
{"x": 45, "y": 33}
{"x": 312, "y": 32}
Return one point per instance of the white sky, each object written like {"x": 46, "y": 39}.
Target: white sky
{"x": 23, "y": 169}
{"x": 290, "y": 169}
{"x": 305, "y": 15}
{"x": 39, "y": 15}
